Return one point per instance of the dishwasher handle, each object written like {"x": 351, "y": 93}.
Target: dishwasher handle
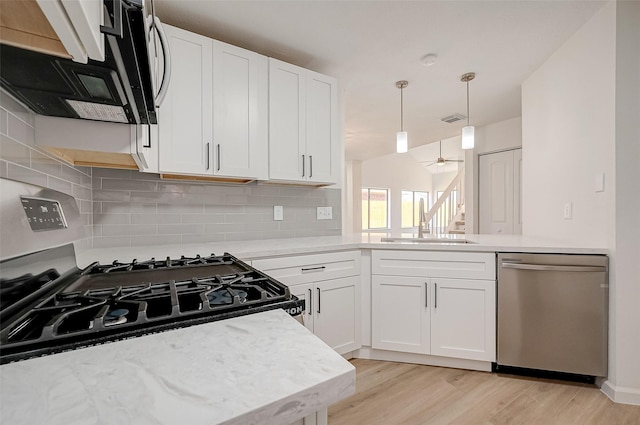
{"x": 552, "y": 268}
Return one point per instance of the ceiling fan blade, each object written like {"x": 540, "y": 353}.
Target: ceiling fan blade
{"x": 454, "y": 160}
{"x": 428, "y": 163}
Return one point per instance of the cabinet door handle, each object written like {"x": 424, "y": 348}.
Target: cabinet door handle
{"x": 318, "y": 300}
{"x": 426, "y": 294}
{"x": 310, "y": 269}
{"x": 218, "y": 156}
{"x": 310, "y": 166}
{"x": 435, "y": 298}
{"x": 208, "y": 155}
{"x": 148, "y": 134}
{"x": 309, "y": 308}
{"x": 302, "y": 165}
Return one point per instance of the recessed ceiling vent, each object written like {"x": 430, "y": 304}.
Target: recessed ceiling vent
{"x": 453, "y": 118}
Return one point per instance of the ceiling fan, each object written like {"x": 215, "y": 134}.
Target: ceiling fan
{"x": 441, "y": 161}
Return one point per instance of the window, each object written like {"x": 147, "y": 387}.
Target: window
{"x": 375, "y": 208}
{"x": 410, "y": 205}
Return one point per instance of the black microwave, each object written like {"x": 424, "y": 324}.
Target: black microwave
{"x": 120, "y": 89}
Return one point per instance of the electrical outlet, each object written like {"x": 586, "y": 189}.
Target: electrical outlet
{"x": 278, "y": 213}
{"x": 324, "y": 213}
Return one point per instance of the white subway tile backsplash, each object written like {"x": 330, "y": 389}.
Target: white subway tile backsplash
{"x": 20, "y": 130}
{"x": 155, "y": 219}
{"x": 45, "y": 164}
{"x": 130, "y": 230}
{"x": 27, "y": 175}
{"x": 202, "y": 218}
{"x": 10, "y": 105}
{"x": 60, "y": 185}
{"x": 133, "y": 185}
{"x": 3, "y": 122}
{"x": 112, "y": 219}
{"x": 15, "y": 152}
{"x": 180, "y": 229}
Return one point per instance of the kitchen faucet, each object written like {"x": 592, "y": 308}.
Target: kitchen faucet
{"x": 421, "y": 221}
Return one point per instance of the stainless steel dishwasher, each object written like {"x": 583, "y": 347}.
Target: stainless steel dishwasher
{"x": 552, "y": 313}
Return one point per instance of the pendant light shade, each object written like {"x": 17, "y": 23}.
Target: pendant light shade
{"x": 468, "y": 137}
{"x": 402, "y": 143}
{"x": 402, "y": 138}
{"x": 468, "y": 132}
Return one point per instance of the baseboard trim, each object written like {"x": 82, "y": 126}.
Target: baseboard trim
{"x": 396, "y": 356}
{"x": 624, "y": 395}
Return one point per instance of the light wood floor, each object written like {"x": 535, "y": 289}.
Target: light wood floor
{"x": 406, "y": 394}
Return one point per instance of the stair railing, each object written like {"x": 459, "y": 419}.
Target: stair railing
{"x": 446, "y": 206}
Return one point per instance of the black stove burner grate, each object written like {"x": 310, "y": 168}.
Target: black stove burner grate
{"x": 152, "y": 263}
{"x": 219, "y": 287}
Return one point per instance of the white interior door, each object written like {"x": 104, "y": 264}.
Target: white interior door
{"x": 499, "y": 193}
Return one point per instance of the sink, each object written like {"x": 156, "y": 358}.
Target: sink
{"x": 427, "y": 240}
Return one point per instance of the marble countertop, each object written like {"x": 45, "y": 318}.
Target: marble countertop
{"x": 263, "y": 368}
{"x": 273, "y": 247}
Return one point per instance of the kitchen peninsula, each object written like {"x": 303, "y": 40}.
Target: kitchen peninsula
{"x": 262, "y": 368}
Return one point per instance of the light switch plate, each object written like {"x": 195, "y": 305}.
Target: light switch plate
{"x": 324, "y": 213}
{"x": 599, "y": 182}
{"x": 568, "y": 210}
{"x": 278, "y": 213}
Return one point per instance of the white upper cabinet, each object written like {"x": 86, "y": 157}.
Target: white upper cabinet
{"x": 184, "y": 119}
{"x": 240, "y": 122}
{"x": 213, "y": 121}
{"x": 304, "y": 140}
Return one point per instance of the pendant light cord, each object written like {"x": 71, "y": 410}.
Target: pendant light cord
{"x": 402, "y": 109}
{"x": 467, "y": 102}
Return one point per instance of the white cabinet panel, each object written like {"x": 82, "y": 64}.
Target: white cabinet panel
{"x": 304, "y": 139}
{"x": 337, "y": 313}
{"x": 473, "y": 265}
{"x": 429, "y": 303}
{"x": 321, "y": 123}
{"x": 463, "y": 319}
{"x": 185, "y": 116}
{"x": 400, "y": 314}
{"x": 239, "y": 112}
{"x": 330, "y": 285}
{"x": 213, "y": 121}
{"x": 293, "y": 270}
{"x": 286, "y": 121}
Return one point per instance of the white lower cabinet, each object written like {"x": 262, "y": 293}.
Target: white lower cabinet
{"x": 330, "y": 285}
{"x": 416, "y": 311}
{"x": 401, "y": 315}
{"x": 463, "y": 319}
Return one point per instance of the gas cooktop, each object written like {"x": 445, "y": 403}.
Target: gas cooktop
{"x": 52, "y": 311}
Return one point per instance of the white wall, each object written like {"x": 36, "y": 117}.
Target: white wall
{"x": 494, "y": 137}
{"x": 396, "y": 172}
{"x": 624, "y": 383}
{"x": 568, "y": 125}
{"x": 570, "y": 134}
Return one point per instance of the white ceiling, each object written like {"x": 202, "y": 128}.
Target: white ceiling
{"x": 369, "y": 45}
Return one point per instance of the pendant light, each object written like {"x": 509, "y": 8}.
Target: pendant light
{"x": 402, "y": 142}
{"x": 468, "y": 131}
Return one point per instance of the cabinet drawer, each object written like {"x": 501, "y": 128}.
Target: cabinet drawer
{"x": 463, "y": 265}
{"x": 296, "y": 269}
